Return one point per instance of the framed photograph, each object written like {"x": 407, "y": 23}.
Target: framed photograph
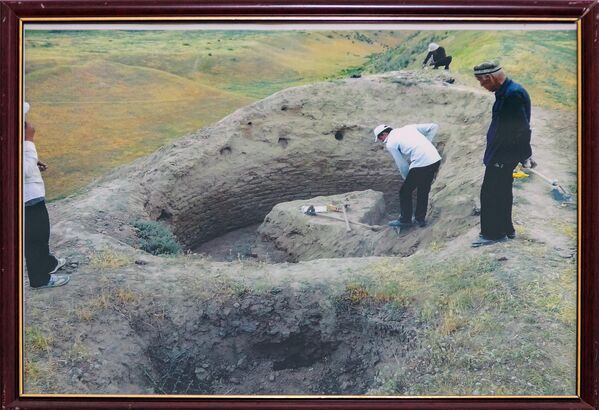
{"x": 285, "y": 205}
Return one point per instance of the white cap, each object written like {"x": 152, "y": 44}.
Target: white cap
{"x": 378, "y": 130}
{"x": 433, "y": 46}
{"x": 25, "y": 107}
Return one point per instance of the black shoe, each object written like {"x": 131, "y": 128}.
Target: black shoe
{"x": 396, "y": 223}
{"x": 482, "y": 241}
{"x": 511, "y": 235}
{"x": 421, "y": 222}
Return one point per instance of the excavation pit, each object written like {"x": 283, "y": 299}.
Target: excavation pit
{"x": 283, "y": 342}
{"x": 297, "y": 144}
{"x": 288, "y": 234}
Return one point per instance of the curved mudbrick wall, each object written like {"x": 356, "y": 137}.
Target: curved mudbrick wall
{"x": 299, "y": 143}
{"x": 296, "y": 144}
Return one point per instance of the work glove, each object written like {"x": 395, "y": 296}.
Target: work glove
{"x": 529, "y": 163}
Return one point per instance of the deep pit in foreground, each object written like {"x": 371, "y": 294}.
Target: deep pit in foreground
{"x": 281, "y": 342}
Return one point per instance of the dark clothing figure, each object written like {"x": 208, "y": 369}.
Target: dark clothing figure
{"x": 38, "y": 258}
{"x": 508, "y": 143}
{"x": 508, "y": 137}
{"x": 437, "y": 58}
{"x": 496, "y": 201}
{"x": 419, "y": 179}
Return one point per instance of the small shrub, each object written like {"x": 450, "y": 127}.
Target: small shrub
{"x": 156, "y": 239}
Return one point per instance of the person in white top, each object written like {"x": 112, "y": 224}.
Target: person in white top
{"x": 418, "y": 162}
{"x": 41, "y": 264}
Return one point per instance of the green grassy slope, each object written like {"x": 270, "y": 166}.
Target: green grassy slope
{"x": 543, "y": 61}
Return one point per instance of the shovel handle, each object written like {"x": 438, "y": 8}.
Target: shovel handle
{"x": 551, "y": 181}
{"x": 373, "y": 227}
{"x": 347, "y": 227}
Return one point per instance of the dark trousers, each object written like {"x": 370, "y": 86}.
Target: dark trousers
{"x": 444, "y": 61}
{"x": 420, "y": 179}
{"x": 496, "y": 201}
{"x": 38, "y": 258}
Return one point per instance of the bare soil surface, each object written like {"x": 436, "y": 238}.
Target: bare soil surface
{"x": 231, "y": 315}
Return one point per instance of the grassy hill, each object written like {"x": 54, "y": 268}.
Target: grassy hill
{"x": 103, "y": 98}
{"x": 543, "y": 61}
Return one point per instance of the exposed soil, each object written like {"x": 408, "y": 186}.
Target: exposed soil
{"x": 249, "y": 346}
{"x": 233, "y": 316}
{"x": 244, "y": 243}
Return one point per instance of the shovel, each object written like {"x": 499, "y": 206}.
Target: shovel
{"x": 558, "y": 192}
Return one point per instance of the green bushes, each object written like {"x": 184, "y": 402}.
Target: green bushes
{"x": 155, "y": 238}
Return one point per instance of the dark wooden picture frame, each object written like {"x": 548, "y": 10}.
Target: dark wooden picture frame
{"x": 586, "y": 12}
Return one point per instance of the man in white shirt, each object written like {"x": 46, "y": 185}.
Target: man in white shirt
{"x": 41, "y": 264}
{"x": 418, "y": 162}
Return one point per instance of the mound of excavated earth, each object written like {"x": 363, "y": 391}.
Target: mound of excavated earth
{"x": 297, "y": 144}
{"x": 326, "y": 235}
{"x": 132, "y": 323}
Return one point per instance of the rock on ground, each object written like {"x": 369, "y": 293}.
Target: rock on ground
{"x": 306, "y": 237}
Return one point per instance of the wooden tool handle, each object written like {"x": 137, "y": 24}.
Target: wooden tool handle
{"x": 347, "y": 227}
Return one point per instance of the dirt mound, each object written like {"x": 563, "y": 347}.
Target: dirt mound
{"x": 325, "y": 235}
{"x": 297, "y": 144}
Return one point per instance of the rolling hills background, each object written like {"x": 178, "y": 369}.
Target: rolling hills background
{"x": 103, "y": 98}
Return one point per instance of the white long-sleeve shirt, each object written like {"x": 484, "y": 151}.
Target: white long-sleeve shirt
{"x": 33, "y": 184}
{"x": 411, "y": 146}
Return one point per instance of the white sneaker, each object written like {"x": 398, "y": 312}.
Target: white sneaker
{"x": 55, "y": 281}
{"x": 60, "y": 262}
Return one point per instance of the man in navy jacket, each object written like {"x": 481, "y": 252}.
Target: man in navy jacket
{"x": 508, "y": 143}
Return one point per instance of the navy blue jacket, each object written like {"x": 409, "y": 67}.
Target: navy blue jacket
{"x": 508, "y": 137}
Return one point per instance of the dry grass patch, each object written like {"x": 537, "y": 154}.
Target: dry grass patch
{"x": 481, "y": 329}
{"x": 108, "y": 297}
{"x": 553, "y": 293}
{"x": 109, "y": 259}
{"x": 126, "y": 296}
{"x": 569, "y": 230}
{"x": 39, "y": 375}
{"x": 78, "y": 351}
{"x": 37, "y": 340}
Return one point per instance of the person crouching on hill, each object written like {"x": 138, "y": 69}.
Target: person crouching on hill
{"x": 41, "y": 264}
{"x": 436, "y": 57}
{"x": 418, "y": 162}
